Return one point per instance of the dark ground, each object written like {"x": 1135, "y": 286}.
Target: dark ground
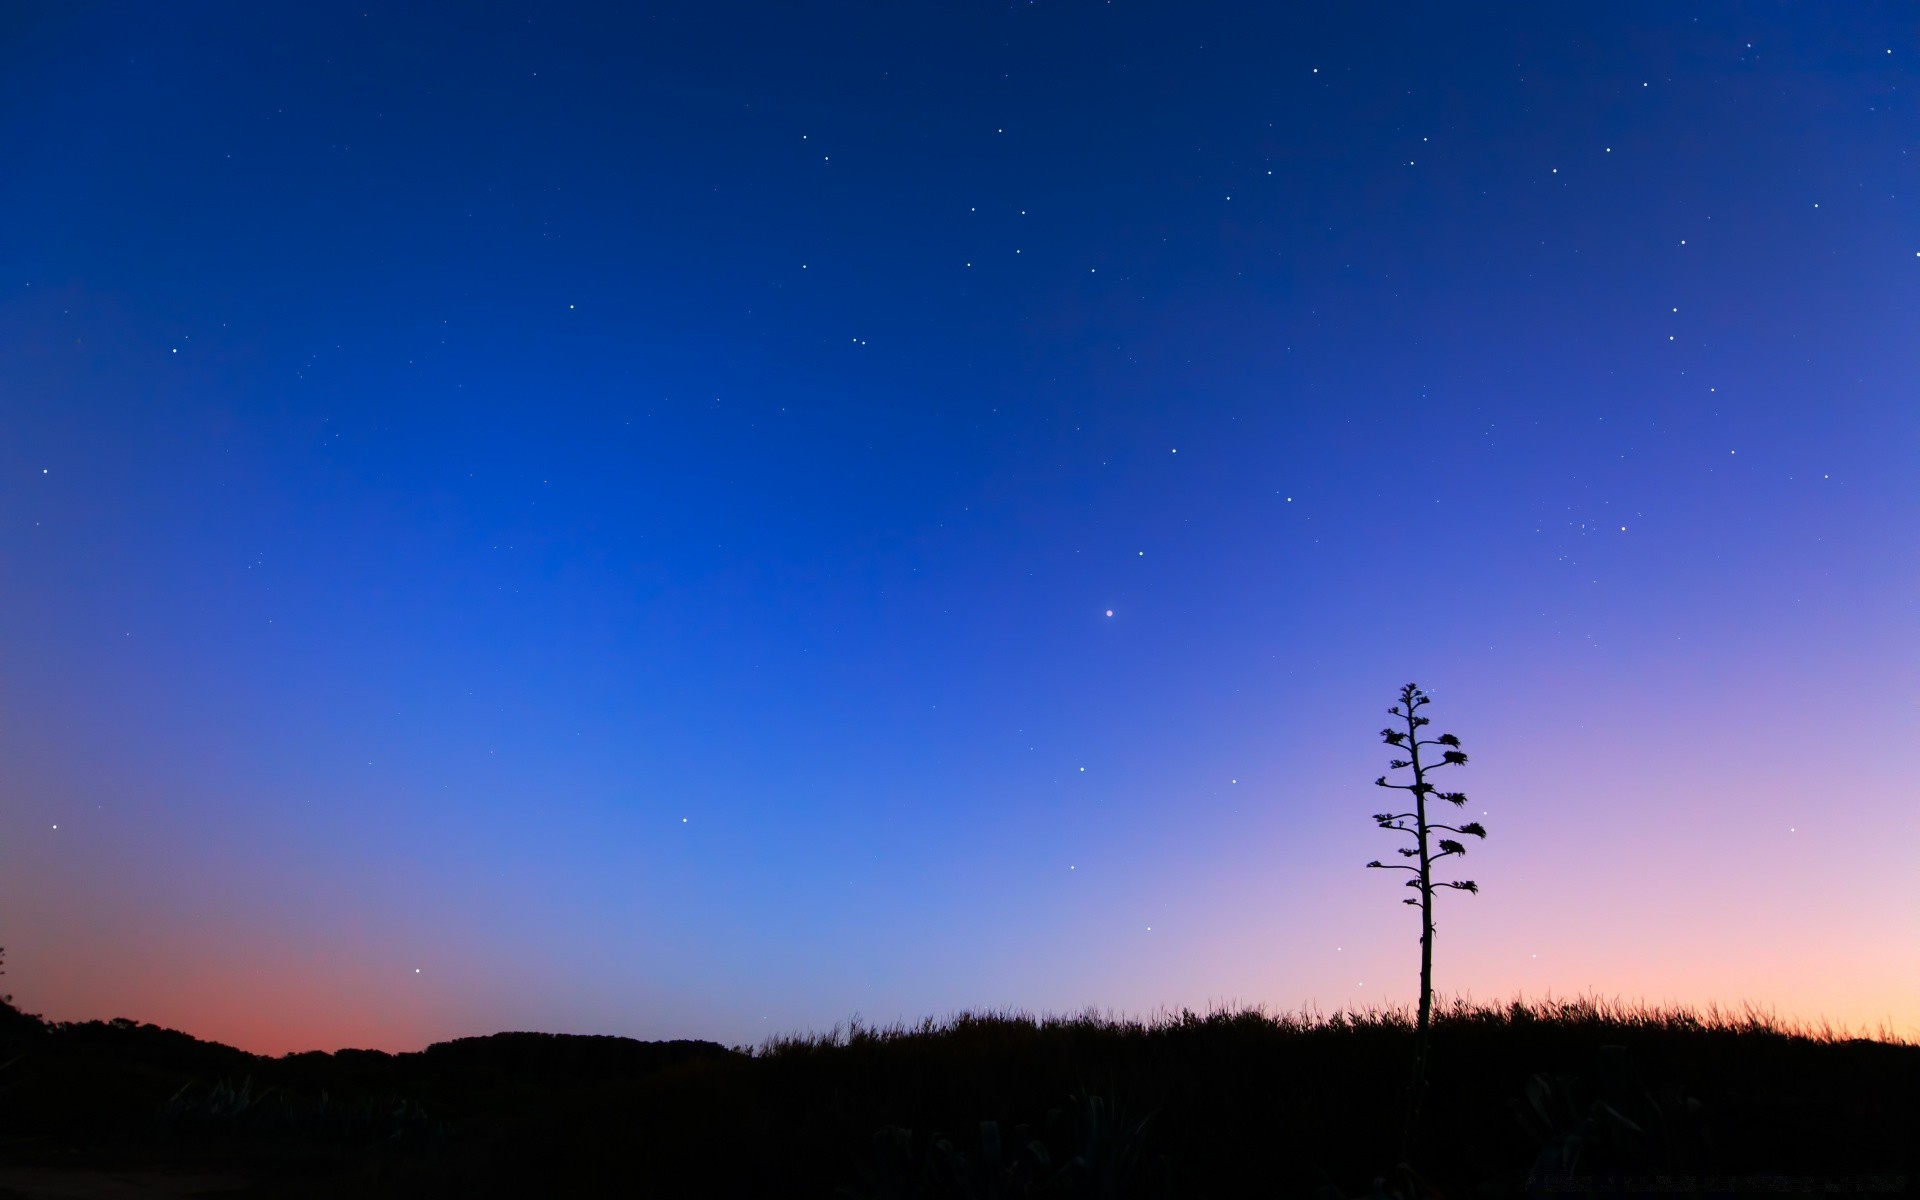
{"x": 1227, "y": 1105}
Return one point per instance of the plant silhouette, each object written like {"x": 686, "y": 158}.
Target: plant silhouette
{"x": 1625, "y": 1129}
{"x": 1100, "y": 1155}
{"x": 1412, "y": 700}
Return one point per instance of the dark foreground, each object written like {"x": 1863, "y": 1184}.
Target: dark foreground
{"x": 1570, "y": 1099}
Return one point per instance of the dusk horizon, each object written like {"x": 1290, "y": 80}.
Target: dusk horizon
{"x": 703, "y": 521}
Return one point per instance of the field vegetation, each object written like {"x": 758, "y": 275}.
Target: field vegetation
{"x": 1524, "y": 1100}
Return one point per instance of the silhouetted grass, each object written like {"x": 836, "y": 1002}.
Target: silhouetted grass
{"x": 1230, "y": 1103}
{"x": 1285, "y": 1103}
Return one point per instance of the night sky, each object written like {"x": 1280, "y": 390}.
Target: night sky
{"x": 707, "y": 519}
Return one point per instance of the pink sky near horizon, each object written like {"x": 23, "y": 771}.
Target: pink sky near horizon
{"x": 1622, "y": 885}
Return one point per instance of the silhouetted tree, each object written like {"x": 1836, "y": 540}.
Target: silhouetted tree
{"x": 1412, "y": 700}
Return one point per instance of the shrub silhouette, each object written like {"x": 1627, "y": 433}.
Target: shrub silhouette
{"x": 1626, "y": 1127}
{"x": 1101, "y": 1155}
{"x": 1412, "y": 700}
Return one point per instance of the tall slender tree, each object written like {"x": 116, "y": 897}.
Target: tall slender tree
{"x": 1412, "y": 700}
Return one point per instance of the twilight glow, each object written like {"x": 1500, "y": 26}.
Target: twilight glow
{"x": 705, "y": 519}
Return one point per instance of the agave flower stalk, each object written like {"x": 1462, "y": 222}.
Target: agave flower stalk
{"x": 1412, "y": 700}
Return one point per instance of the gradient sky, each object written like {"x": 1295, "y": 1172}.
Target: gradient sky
{"x": 704, "y": 519}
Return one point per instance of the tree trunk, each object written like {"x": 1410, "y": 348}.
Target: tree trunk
{"x": 1416, "y": 1090}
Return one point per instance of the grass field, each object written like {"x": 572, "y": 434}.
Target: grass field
{"x": 1554, "y": 1098}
